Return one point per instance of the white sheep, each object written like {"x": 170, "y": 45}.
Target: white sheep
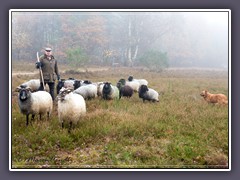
{"x": 39, "y": 102}
{"x": 71, "y": 107}
{"x": 148, "y": 94}
{"x": 34, "y": 84}
{"x": 141, "y": 81}
{"x": 88, "y": 91}
{"x": 110, "y": 92}
{"x": 133, "y": 84}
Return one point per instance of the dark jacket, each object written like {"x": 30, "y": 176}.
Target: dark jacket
{"x": 49, "y": 67}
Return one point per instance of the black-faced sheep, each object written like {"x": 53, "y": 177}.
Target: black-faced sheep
{"x": 141, "y": 81}
{"x": 39, "y": 102}
{"x": 124, "y": 90}
{"x": 148, "y": 94}
{"x": 71, "y": 107}
{"x": 110, "y": 92}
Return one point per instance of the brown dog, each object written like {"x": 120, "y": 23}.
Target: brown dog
{"x": 214, "y": 98}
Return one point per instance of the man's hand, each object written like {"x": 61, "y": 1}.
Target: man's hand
{"x": 38, "y": 65}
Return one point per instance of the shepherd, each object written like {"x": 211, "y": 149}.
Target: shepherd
{"x": 48, "y": 69}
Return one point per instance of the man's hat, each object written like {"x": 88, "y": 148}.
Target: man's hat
{"x": 48, "y": 49}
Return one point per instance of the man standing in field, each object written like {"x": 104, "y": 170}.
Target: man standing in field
{"x": 49, "y": 68}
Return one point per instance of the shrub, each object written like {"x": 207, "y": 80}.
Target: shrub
{"x": 77, "y": 57}
{"x": 154, "y": 60}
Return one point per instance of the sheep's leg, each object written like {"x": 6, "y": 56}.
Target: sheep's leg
{"x": 70, "y": 127}
{"x": 62, "y": 125}
{"x": 33, "y": 115}
{"x": 27, "y": 119}
{"x": 40, "y": 116}
{"x": 48, "y": 115}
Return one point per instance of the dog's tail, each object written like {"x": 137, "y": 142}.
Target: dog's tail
{"x": 225, "y": 102}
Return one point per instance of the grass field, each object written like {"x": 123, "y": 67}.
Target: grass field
{"x": 180, "y": 131}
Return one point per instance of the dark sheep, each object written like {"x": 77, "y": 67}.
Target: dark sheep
{"x": 125, "y": 91}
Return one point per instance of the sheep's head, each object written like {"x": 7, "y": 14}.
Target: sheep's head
{"x": 119, "y": 85}
{"x": 142, "y": 90}
{"x": 122, "y": 81}
{"x": 24, "y": 92}
{"x": 107, "y": 88}
{"x": 76, "y": 84}
{"x": 63, "y": 92}
{"x": 130, "y": 78}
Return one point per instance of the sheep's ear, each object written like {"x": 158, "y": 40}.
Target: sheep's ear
{"x": 18, "y": 89}
{"x": 29, "y": 89}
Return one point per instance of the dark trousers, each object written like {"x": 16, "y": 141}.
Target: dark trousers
{"x": 51, "y": 88}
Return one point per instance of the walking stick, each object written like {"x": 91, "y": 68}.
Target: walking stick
{"x": 41, "y": 74}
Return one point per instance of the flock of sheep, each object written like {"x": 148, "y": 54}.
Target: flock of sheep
{"x": 73, "y": 93}
{"x": 72, "y": 96}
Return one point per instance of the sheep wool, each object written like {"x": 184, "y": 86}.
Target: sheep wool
{"x": 133, "y": 84}
{"x": 34, "y": 84}
{"x": 88, "y": 91}
{"x": 71, "y": 107}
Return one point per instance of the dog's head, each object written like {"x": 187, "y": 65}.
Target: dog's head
{"x": 204, "y": 93}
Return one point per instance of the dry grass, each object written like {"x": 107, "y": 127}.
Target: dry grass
{"x": 181, "y": 131}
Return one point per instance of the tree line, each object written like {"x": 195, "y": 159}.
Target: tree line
{"x": 152, "y": 39}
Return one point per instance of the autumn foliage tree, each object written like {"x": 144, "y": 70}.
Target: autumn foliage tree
{"x": 105, "y": 38}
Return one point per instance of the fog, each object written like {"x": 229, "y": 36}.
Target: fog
{"x": 186, "y": 39}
